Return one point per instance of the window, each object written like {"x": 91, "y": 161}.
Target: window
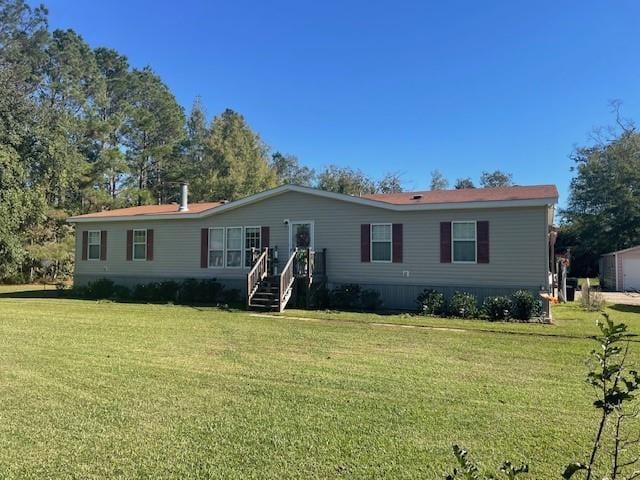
{"x": 251, "y": 240}
{"x": 139, "y": 244}
{"x": 216, "y": 247}
{"x": 463, "y": 237}
{"x": 94, "y": 245}
{"x": 381, "y": 242}
{"x": 234, "y": 247}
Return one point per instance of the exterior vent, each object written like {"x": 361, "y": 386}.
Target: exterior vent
{"x": 417, "y": 196}
{"x": 184, "y": 198}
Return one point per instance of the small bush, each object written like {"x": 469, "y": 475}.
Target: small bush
{"x": 346, "y": 297}
{"x": 591, "y": 300}
{"x": 230, "y": 296}
{"x": 497, "y": 308}
{"x": 102, "y": 288}
{"x": 188, "y": 291}
{"x": 319, "y": 296}
{"x": 120, "y": 292}
{"x": 431, "y": 302}
{"x": 370, "y": 300}
{"x": 210, "y": 291}
{"x": 522, "y": 305}
{"x": 167, "y": 291}
{"x": 463, "y": 305}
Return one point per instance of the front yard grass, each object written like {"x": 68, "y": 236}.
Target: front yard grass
{"x": 98, "y": 389}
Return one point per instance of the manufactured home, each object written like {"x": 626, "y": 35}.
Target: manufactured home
{"x": 485, "y": 241}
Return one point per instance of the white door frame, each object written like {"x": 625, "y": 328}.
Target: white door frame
{"x": 312, "y": 228}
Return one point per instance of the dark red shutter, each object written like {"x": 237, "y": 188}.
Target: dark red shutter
{"x": 204, "y": 248}
{"x": 445, "y": 242}
{"x": 149, "y": 244}
{"x": 482, "y": 236}
{"x": 397, "y": 242}
{"x": 85, "y": 244}
{"x": 264, "y": 237}
{"x": 365, "y": 242}
{"x": 103, "y": 245}
{"x": 129, "y": 245}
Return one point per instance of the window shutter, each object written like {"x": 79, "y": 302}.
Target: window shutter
{"x": 365, "y": 242}
{"x": 204, "y": 248}
{"x": 482, "y": 236}
{"x": 85, "y": 244}
{"x": 103, "y": 245}
{"x": 397, "y": 242}
{"x": 150, "y": 244}
{"x": 264, "y": 237}
{"x": 129, "y": 245}
{"x": 445, "y": 242}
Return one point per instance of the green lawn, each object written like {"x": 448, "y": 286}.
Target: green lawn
{"x": 98, "y": 389}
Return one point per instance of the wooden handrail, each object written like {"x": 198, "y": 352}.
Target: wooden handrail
{"x": 257, "y": 273}
{"x": 286, "y": 280}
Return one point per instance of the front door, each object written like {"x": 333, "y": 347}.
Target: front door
{"x": 301, "y": 235}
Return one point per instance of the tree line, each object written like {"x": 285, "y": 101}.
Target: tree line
{"x": 82, "y": 130}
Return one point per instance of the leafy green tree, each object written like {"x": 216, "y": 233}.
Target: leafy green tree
{"x": 345, "y": 180}
{"x": 496, "y": 179}
{"x": 236, "y": 163}
{"x": 67, "y": 98}
{"x": 438, "y": 181}
{"x": 107, "y": 128}
{"x": 152, "y": 133}
{"x": 603, "y": 210}
{"x": 462, "y": 183}
{"x": 22, "y": 41}
{"x": 390, "y": 183}
{"x": 289, "y": 171}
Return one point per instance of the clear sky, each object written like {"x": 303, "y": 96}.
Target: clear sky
{"x": 404, "y": 86}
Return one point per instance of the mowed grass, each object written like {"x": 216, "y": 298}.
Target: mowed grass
{"x": 98, "y": 389}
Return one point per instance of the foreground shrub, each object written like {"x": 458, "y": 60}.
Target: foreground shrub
{"x": 463, "y": 305}
{"x": 497, "y": 308}
{"x": 522, "y": 305}
{"x": 431, "y": 302}
{"x": 613, "y": 453}
{"x": 189, "y": 291}
{"x": 319, "y": 296}
{"x": 370, "y": 300}
{"x": 102, "y": 288}
{"x": 346, "y": 297}
{"x": 226, "y": 296}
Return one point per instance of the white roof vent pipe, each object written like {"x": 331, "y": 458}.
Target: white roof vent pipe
{"x": 184, "y": 197}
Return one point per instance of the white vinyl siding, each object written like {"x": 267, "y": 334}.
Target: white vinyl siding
{"x": 233, "y": 247}
{"x": 381, "y": 242}
{"x": 518, "y": 237}
{"x": 139, "y": 244}
{"x": 463, "y": 239}
{"x": 216, "y": 247}
{"x": 93, "y": 243}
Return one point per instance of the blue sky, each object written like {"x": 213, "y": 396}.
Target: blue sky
{"x": 404, "y": 86}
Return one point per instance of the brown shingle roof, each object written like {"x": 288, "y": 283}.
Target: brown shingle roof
{"x": 167, "y": 209}
{"x": 405, "y": 198}
{"x": 467, "y": 195}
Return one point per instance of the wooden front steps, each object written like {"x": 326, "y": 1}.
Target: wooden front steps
{"x": 267, "y": 296}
